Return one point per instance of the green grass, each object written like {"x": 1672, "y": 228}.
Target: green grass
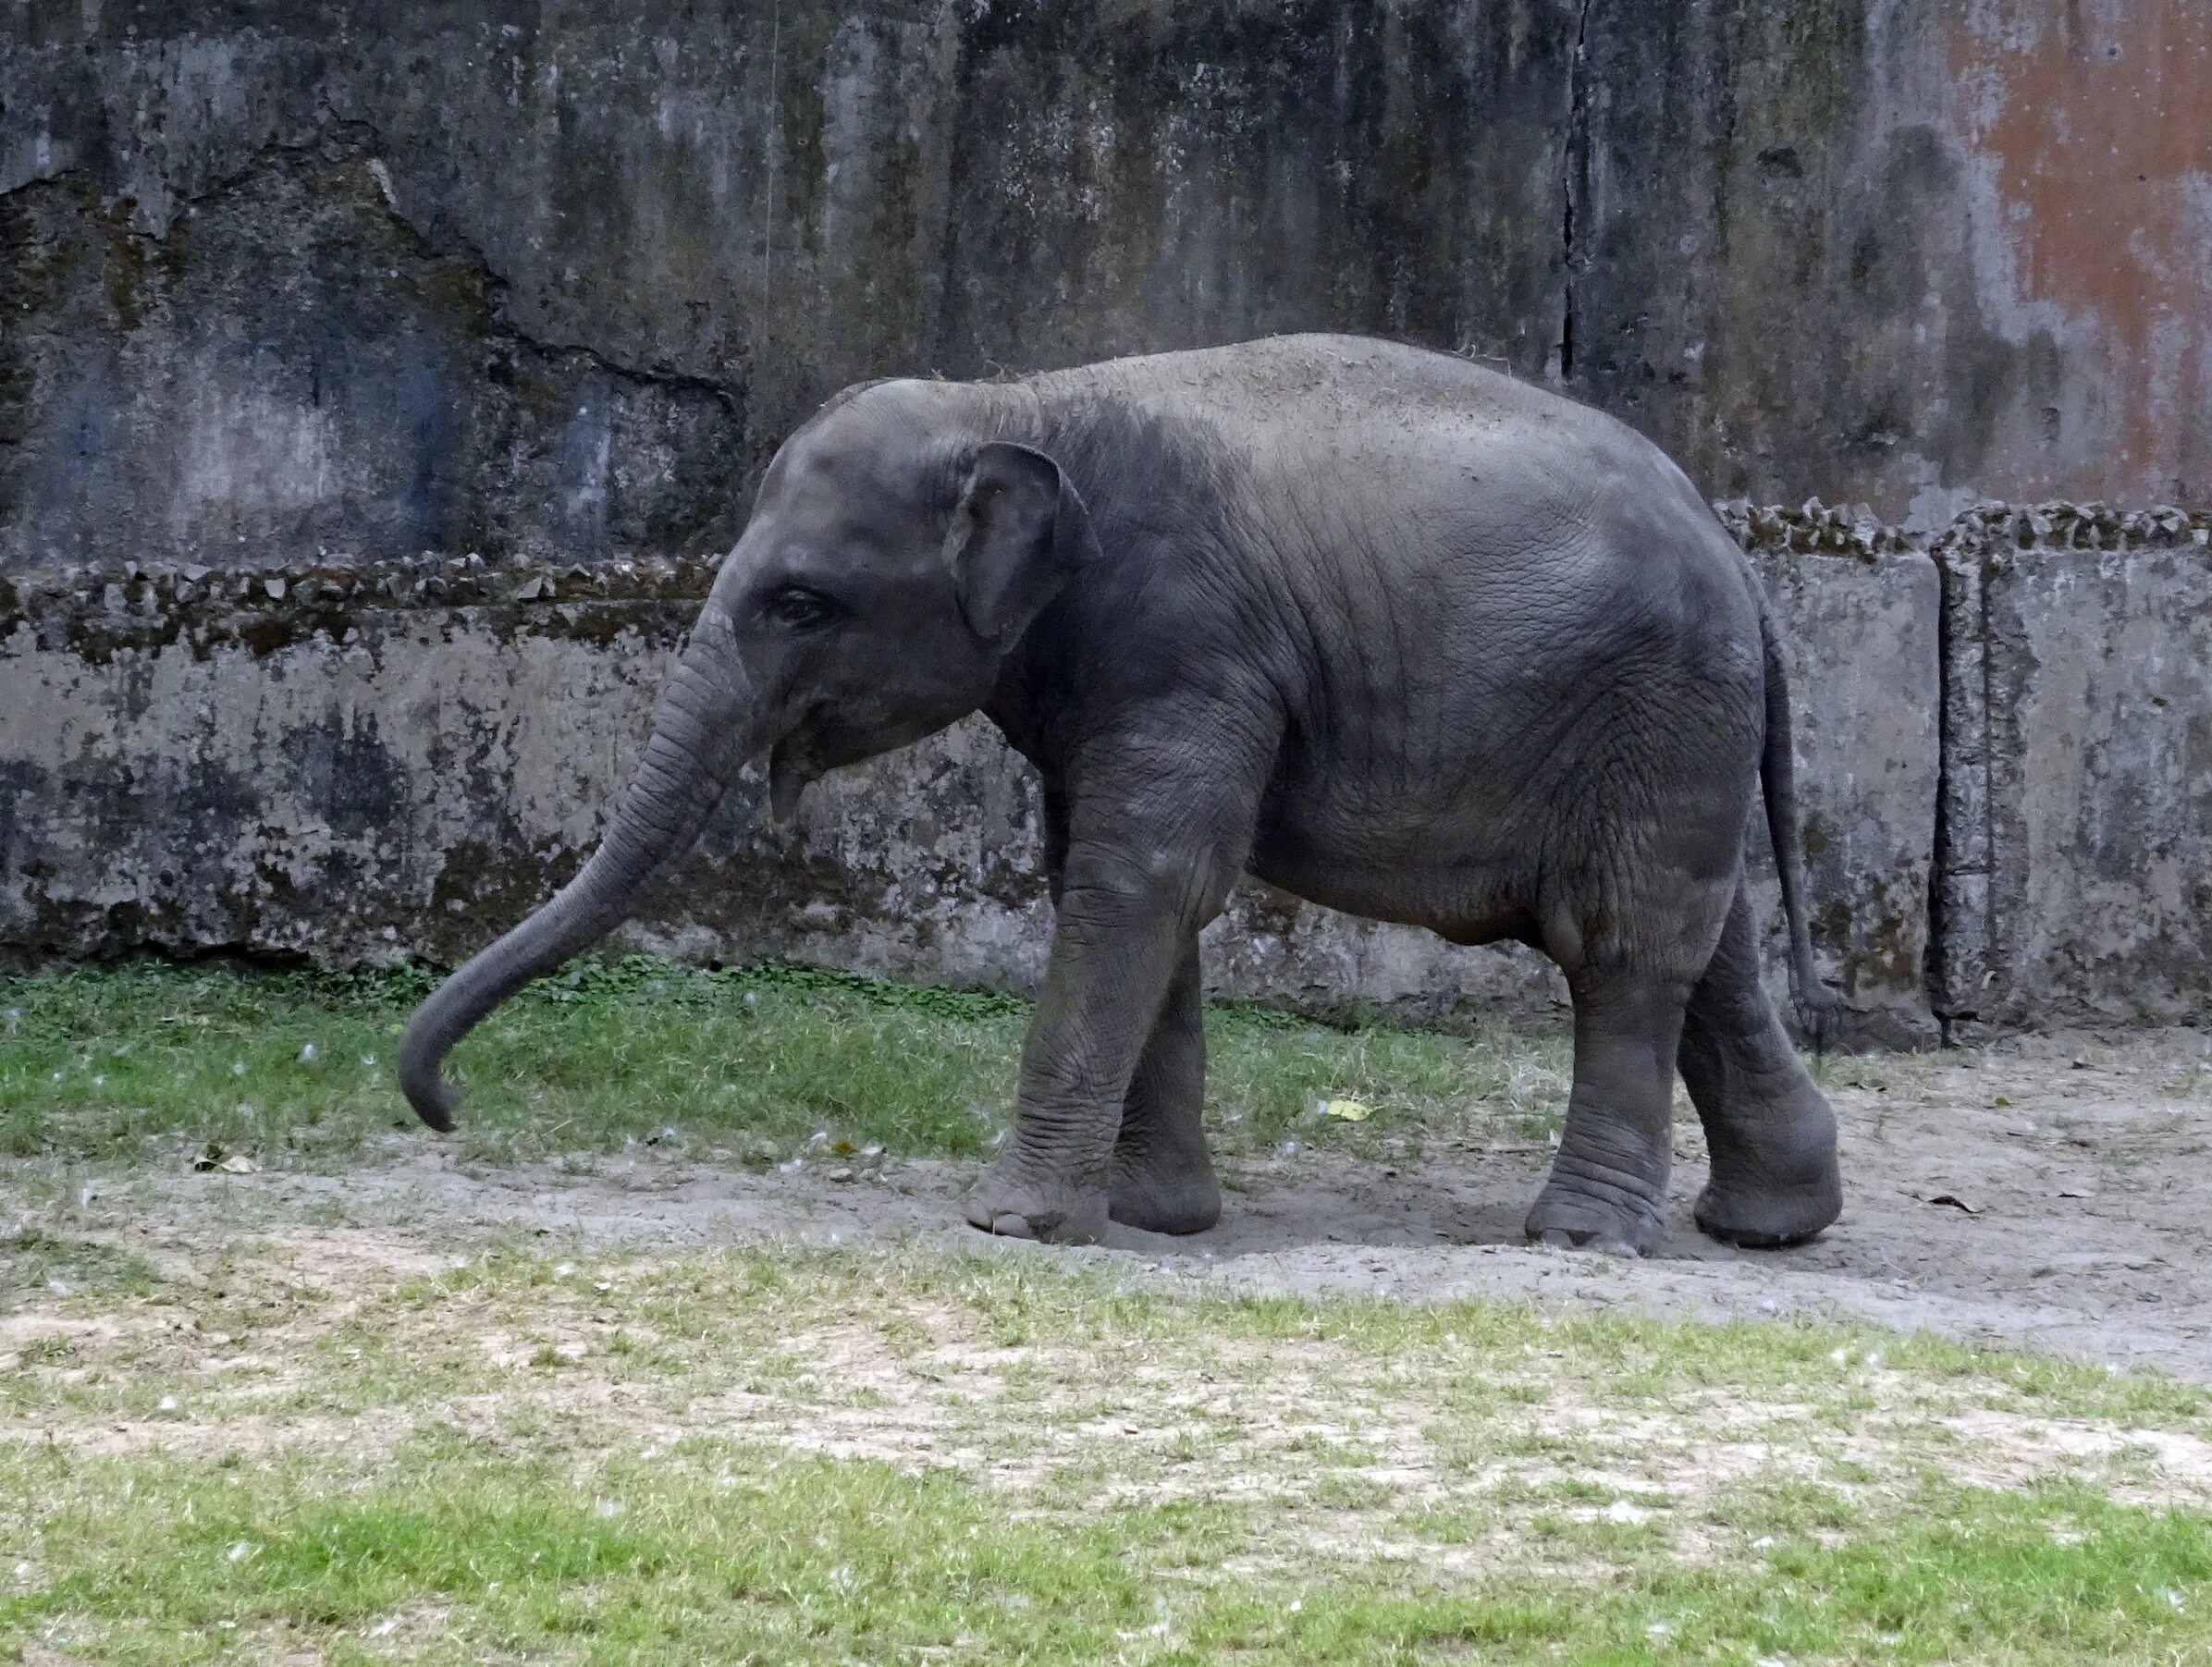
{"x": 233, "y": 1427}
{"x": 1070, "y": 1468}
{"x": 34, "y": 1260}
{"x": 726, "y": 1553}
{"x": 296, "y": 1068}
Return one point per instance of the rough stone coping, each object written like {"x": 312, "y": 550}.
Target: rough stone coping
{"x": 1991, "y": 527}
{"x": 300, "y": 592}
{"x": 1812, "y": 529}
{"x": 425, "y": 580}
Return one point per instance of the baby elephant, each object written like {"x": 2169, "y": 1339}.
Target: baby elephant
{"x": 1388, "y": 630}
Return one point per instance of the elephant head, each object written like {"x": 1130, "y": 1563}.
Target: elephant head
{"x": 898, "y": 549}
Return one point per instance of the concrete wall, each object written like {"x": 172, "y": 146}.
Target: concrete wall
{"x": 2076, "y": 832}
{"x": 353, "y": 765}
{"x": 326, "y": 293}
{"x": 1861, "y": 606}
{"x": 360, "y": 762}
{"x": 374, "y": 278}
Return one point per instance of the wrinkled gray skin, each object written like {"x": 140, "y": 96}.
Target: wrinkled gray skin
{"x": 1393, "y": 631}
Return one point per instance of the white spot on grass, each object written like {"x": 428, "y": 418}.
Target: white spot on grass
{"x": 238, "y": 1068}
{"x": 307, "y": 1054}
{"x": 239, "y": 1553}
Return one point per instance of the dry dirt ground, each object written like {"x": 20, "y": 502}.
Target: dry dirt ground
{"x": 2053, "y": 1192}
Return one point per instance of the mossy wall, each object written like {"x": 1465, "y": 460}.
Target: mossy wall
{"x": 434, "y": 316}
{"x": 374, "y": 278}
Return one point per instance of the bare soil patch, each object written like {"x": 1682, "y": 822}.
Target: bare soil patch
{"x": 2053, "y": 1192}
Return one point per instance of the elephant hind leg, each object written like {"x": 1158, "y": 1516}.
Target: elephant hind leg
{"x": 1770, "y": 1131}
{"x": 1163, "y": 1178}
{"x": 1607, "y": 1188}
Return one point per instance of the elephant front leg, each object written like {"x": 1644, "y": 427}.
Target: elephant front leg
{"x": 1163, "y": 1178}
{"x": 1122, "y": 930}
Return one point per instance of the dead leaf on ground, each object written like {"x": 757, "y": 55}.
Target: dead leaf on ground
{"x": 230, "y": 1163}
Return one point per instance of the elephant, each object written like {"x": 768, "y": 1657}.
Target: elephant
{"x": 1398, "y": 634}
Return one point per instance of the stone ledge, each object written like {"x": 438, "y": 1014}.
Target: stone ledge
{"x": 2074, "y": 867}
{"x": 1813, "y": 527}
{"x": 352, "y": 760}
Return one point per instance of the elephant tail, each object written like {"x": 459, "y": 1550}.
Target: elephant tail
{"x": 1814, "y": 1002}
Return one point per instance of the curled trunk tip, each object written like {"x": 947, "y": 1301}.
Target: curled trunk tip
{"x": 676, "y": 789}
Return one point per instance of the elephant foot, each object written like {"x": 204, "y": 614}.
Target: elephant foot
{"x": 1181, "y": 1200}
{"x": 1571, "y": 1221}
{"x": 1598, "y": 1244}
{"x": 1766, "y": 1215}
{"x": 1010, "y": 1205}
{"x": 1775, "y": 1181}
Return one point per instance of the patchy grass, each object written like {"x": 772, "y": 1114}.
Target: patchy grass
{"x": 287, "y": 1430}
{"x": 35, "y": 1260}
{"x": 295, "y": 1068}
{"x": 346, "y": 1450}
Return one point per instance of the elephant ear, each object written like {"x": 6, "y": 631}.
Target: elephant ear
{"x": 1019, "y": 534}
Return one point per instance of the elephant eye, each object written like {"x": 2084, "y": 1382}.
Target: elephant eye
{"x": 800, "y": 608}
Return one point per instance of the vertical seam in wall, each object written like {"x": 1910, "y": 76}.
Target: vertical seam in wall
{"x": 1574, "y": 167}
{"x": 775, "y": 149}
{"x": 1938, "y": 963}
{"x": 1996, "y": 955}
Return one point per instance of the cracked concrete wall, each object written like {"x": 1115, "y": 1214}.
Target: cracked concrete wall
{"x": 1861, "y": 610}
{"x": 311, "y": 288}
{"x": 2076, "y": 832}
{"x": 296, "y": 370}
{"x": 381, "y": 278}
{"x": 263, "y": 273}
{"x": 1906, "y": 254}
{"x": 2003, "y": 743}
{"x": 362, "y": 763}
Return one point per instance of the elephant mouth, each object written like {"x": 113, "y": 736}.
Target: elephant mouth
{"x": 790, "y": 772}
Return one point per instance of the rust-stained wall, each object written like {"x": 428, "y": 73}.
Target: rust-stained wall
{"x": 2086, "y": 132}
{"x": 378, "y": 289}
{"x": 373, "y": 277}
{"x": 1912, "y": 254}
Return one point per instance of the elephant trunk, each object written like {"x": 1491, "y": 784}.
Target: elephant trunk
{"x": 694, "y": 751}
